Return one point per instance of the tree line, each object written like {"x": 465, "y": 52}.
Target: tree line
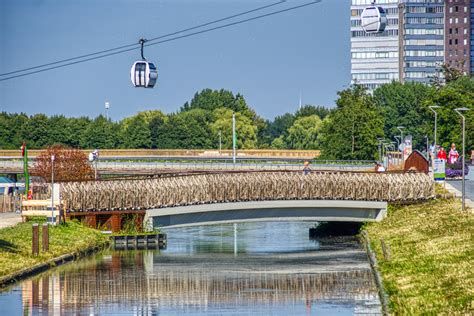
{"x": 350, "y": 130}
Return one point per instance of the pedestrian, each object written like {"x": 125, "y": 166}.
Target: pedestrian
{"x": 453, "y": 154}
{"x": 442, "y": 153}
{"x": 306, "y": 168}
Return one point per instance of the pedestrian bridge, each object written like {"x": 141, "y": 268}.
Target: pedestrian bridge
{"x": 294, "y": 210}
{"x": 249, "y": 196}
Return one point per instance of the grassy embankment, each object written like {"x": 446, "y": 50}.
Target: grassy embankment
{"x": 15, "y": 244}
{"x": 431, "y": 266}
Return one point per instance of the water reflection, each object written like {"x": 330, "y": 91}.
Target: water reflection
{"x": 206, "y": 278}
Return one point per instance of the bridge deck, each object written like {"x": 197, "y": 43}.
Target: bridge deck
{"x": 295, "y": 210}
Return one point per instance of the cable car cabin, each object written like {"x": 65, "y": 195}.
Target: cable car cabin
{"x": 374, "y": 19}
{"x": 143, "y": 74}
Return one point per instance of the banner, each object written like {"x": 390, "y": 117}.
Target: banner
{"x": 439, "y": 169}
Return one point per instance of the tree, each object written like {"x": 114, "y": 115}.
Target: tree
{"x": 456, "y": 94}
{"x": 69, "y": 165}
{"x": 136, "y": 133}
{"x": 189, "y": 129}
{"x": 245, "y": 129}
{"x": 308, "y": 110}
{"x": 447, "y": 74}
{"x": 101, "y": 133}
{"x": 279, "y": 143}
{"x": 351, "y": 131}
{"x": 405, "y": 105}
{"x": 37, "y": 128}
{"x": 60, "y": 131}
{"x": 210, "y": 100}
{"x": 156, "y": 130}
{"x": 303, "y": 134}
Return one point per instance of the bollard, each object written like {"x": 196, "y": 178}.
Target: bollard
{"x": 35, "y": 239}
{"x": 45, "y": 237}
{"x": 385, "y": 250}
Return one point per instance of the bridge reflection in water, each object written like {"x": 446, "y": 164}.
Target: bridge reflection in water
{"x": 276, "y": 271}
{"x": 97, "y": 288}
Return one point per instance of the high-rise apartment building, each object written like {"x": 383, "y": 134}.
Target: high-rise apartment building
{"x": 457, "y": 29}
{"x": 472, "y": 37}
{"x": 421, "y": 39}
{"x": 374, "y": 57}
{"x": 420, "y": 36}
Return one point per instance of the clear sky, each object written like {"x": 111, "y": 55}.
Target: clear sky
{"x": 270, "y": 61}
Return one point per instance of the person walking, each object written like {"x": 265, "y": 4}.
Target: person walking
{"x": 306, "y": 168}
{"x": 453, "y": 154}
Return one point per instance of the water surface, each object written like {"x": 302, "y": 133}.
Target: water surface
{"x": 259, "y": 269}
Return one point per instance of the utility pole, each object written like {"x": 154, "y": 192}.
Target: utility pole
{"x": 234, "y": 139}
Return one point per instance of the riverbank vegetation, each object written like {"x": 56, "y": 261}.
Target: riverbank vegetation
{"x": 346, "y": 130}
{"x": 16, "y": 244}
{"x": 431, "y": 250}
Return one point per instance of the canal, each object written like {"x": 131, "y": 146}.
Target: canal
{"x": 265, "y": 268}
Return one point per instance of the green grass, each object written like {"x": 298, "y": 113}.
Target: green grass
{"x": 15, "y": 244}
{"x": 432, "y": 258}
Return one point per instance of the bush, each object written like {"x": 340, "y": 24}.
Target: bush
{"x": 455, "y": 170}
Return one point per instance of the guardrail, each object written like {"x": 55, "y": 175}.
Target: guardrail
{"x": 304, "y": 154}
{"x": 105, "y": 166}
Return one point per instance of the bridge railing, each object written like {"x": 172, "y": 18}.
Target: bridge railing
{"x": 245, "y": 186}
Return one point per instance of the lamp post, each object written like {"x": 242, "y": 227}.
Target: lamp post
{"x": 432, "y": 108}
{"x": 380, "y": 140}
{"x": 52, "y": 189}
{"x": 458, "y": 111}
{"x": 220, "y": 142}
{"x": 397, "y": 138}
{"x": 107, "y": 106}
{"x": 234, "y": 139}
{"x": 400, "y": 128}
{"x": 402, "y": 141}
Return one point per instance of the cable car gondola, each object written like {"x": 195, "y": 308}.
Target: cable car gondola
{"x": 143, "y": 73}
{"x": 373, "y": 19}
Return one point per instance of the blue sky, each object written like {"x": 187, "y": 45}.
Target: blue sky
{"x": 270, "y": 61}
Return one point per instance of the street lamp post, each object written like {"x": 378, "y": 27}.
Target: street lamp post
{"x": 400, "y": 128}
{"x": 402, "y": 142}
{"x": 220, "y": 142}
{"x": 458, "y": 111}
{"x": 380, "y": 140}
{"x": 52, "y": 189}
{"x": 234, "y": 139}
{"x": 107, "y": 106}
{"x": 432, "y": 108}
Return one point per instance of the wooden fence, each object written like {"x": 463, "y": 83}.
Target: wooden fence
{"x": 8, "y": 203}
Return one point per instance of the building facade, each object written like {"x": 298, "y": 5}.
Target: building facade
{"x": 420, "y": 37}
{"x": 472, "y": 37}
{"x": 374, "y": 57}
{"x": 457, "y": 44}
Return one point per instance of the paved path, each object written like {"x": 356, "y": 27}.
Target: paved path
{"x": 9, "y": 219}
{"x": 456, "y": 186}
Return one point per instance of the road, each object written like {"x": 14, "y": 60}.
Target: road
{"x": 457, "y": 184}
